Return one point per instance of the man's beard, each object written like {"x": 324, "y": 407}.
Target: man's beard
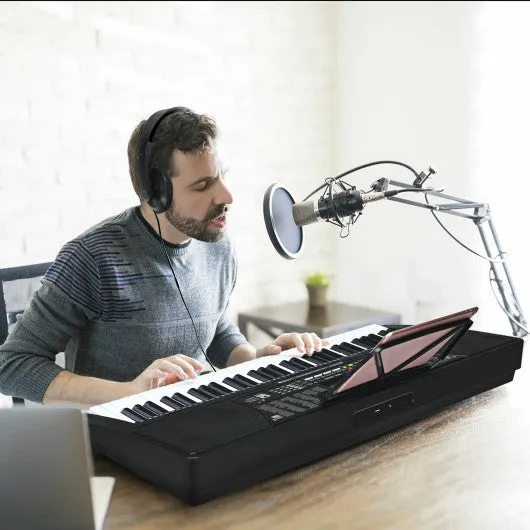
{"x": 198, "y": 229}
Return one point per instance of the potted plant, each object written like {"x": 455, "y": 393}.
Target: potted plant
{"x": 317, "y": 283}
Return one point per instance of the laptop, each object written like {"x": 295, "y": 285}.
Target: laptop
{"x": 46, "y": 471}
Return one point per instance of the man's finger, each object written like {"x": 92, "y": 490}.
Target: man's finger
{"x": 294, "y": 340}
{"x": 308, "y": 341}
{"x": 170, "y": 366}
{"x": 169, "y": 379}
{"x": 317, "y": 342}
{"x": 273, "y": 349}
{"x": 270, "y": 349}
{"x": 156, "y": 379}
{"x": 196, "y": 364}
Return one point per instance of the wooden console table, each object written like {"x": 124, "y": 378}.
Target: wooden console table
{"x": 326, "y": 321}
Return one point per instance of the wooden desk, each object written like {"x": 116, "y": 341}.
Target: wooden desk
{"x": 464, "y": 468}
{"x": 326, "y": 321}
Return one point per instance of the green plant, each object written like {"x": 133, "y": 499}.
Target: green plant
{"x": 317, "y": 279}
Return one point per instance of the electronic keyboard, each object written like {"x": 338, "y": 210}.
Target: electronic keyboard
{"x": 231, "y": 428}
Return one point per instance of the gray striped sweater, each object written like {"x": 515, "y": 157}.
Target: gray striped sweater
{"x": 111, "y": 303}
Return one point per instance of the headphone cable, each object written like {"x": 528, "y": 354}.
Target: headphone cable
{"x": 180, "y": 292}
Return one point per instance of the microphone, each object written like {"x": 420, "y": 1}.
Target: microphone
{"x": 284, "y": 218}
{"x": 341, "y": 204}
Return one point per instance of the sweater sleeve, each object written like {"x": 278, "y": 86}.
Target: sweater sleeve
{"x": 64, "y": 303}
{"x": 227, "y": 337}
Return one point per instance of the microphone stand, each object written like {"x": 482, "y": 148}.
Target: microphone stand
{"x": 481, "y": 216}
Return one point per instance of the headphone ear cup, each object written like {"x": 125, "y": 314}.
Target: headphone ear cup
{"x": 162, "y": 190}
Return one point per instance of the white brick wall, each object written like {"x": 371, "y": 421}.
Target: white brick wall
{"x": 76, "y": 77}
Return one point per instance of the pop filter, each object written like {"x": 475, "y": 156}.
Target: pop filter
{"x": 286, "y": 236}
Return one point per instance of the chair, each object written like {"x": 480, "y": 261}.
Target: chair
{"x": 17, "y": 285}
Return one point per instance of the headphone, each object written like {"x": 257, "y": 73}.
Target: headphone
{"x": 156, "y": 188}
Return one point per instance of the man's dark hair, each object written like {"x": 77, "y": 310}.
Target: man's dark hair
{"x": 184, "y": 130}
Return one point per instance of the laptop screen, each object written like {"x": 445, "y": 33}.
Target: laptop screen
{"x": 45, "y": 469}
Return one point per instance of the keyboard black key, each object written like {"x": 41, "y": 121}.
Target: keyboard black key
{"x": 203, "y": 396}
{"x": 278, "y": 369}
{"x": 374, "y": 337}
{"x": 142, "y": 410}
{"x": 133, "y": 415}
{"x": 371, "y": 339}
{"x": 264, "y": 370}
{"x": 260, "y": 377}
{"x": 320, "y": 358}
{"x": 211, "y": 391}
{"x": 291, "y": 366}
{"x": 154, "y": 408}
{"x": 303, "y": 363}
{"x": 335, "y": 354}
{"x": 316, "y": 360}
{"x": 324, "y": 355}
{"x": 234, "y": 384}
{"x": 362, "y": 343}
{"x": 244, "y": 381}
{"x": 223, "y": 390}
{"x": 348, "y": 349}
{"x": 184, "y": 400}
{"x": 170, "y": 402}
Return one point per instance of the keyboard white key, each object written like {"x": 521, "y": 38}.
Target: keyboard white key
{"x": 113, "y": 409}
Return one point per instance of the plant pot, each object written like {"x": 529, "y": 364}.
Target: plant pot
{"x": 318, "y": 296}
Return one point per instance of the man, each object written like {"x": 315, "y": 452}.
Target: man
{"x": 140, "y": 299}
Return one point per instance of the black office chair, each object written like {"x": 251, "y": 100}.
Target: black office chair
{"x": 17, "y": 285}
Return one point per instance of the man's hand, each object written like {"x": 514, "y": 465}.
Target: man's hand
{"x": 305, "y": 343}
{"x": 167, "y": 371}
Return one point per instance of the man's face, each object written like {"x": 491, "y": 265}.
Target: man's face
{"x": 200, "y": 196}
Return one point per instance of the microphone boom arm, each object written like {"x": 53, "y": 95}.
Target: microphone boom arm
{"x": 481, "y": 216}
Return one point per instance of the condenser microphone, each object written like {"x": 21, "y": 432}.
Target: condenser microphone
{"x": 284, "y": 218}
{"x": 341, "y": 204}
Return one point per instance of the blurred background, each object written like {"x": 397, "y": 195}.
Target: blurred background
{"x": 301, "y": 91}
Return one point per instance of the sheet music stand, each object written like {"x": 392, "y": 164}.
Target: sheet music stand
{"x": 403, "y": 354}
